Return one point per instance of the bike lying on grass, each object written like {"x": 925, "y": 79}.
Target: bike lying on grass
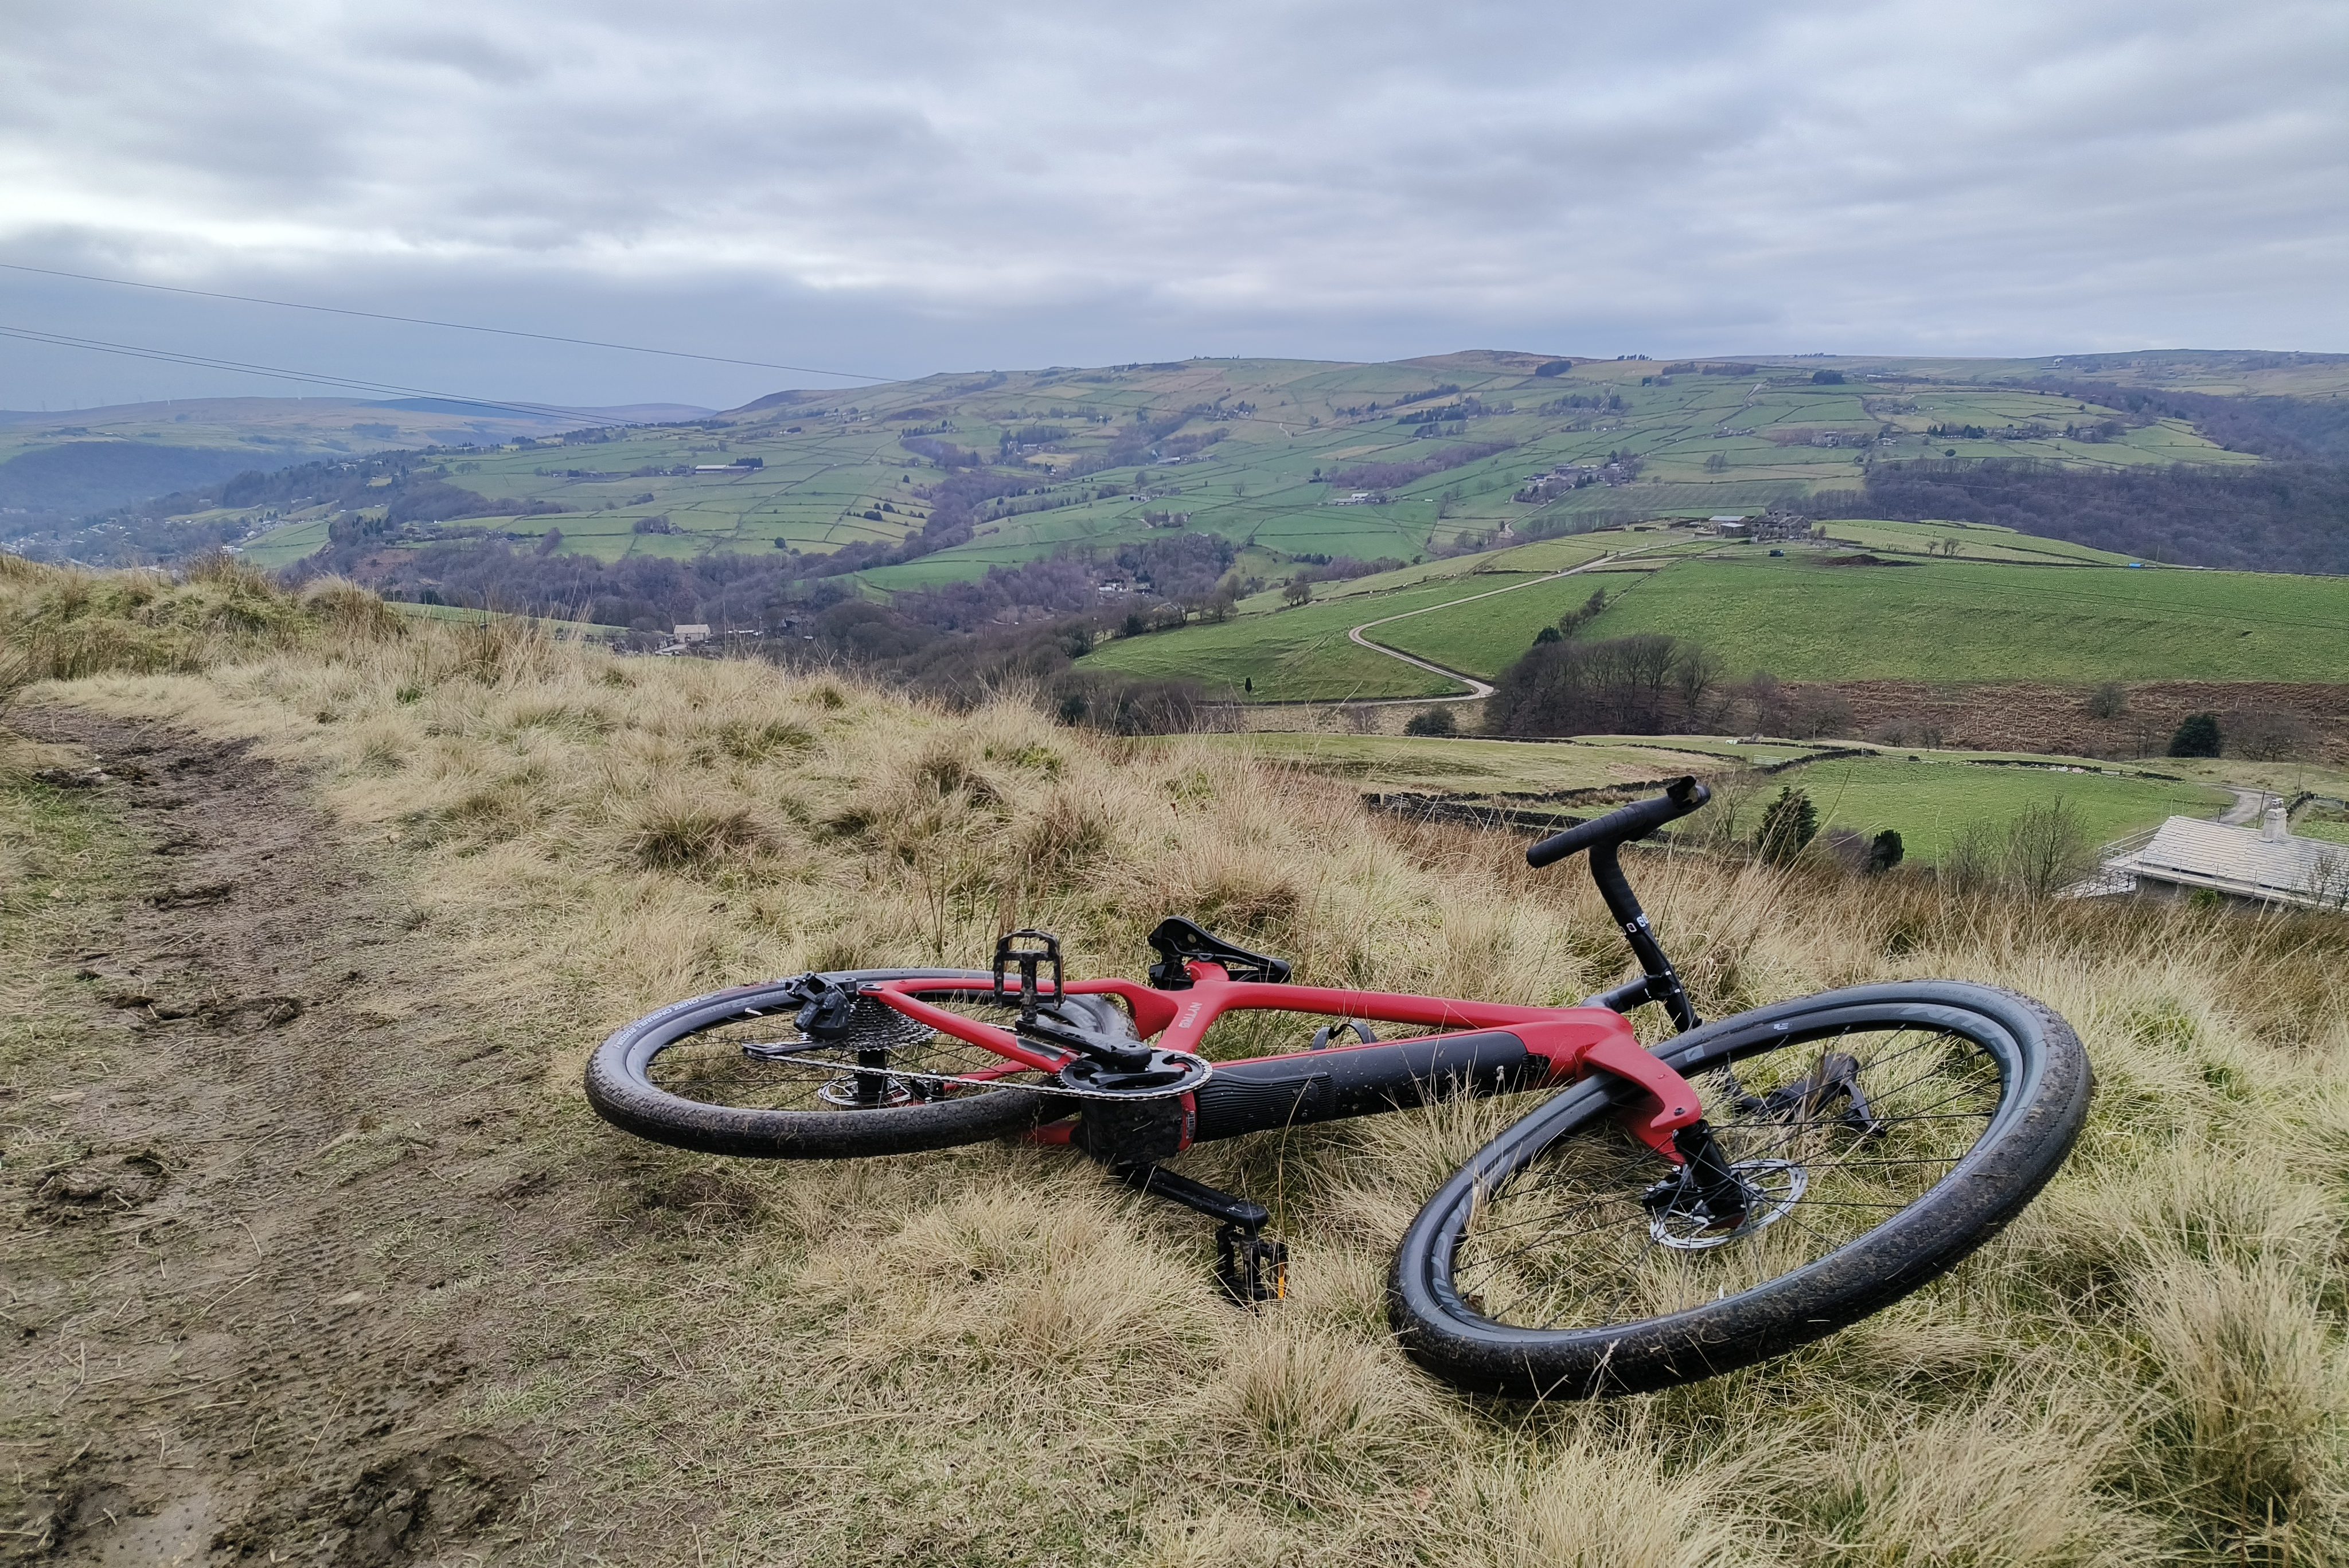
{"x": 1748, "y": 1186}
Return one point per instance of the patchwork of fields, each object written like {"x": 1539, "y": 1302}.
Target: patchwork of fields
{"x": 1261, "y": 453}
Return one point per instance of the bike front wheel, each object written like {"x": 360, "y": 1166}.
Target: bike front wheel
{"x": 1878, "y": 1135}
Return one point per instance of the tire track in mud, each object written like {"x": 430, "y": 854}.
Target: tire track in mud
{"x": 243, "y": 1322}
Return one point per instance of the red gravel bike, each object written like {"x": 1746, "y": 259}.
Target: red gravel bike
{"x": 1662, "y": 1215}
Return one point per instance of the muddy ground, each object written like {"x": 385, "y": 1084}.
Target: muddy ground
{"x": 257, "y": 1202}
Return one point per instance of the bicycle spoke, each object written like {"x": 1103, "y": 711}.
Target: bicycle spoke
{"x": 1596, "y": 1233}
{"x": 884, "y": 1060}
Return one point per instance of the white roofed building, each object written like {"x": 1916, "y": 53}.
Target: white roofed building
{"x": 2267, "y": 864}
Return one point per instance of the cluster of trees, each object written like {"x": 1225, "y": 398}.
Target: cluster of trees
{"x": 1316, "y": 568}
{"x": 942, "y": 453}
{"x": 2275, "y": 517}
{"x": 1468, "y": 408}
{"x": 423, "y": 499}
{"x": 2260, "y": 737}
{"x": 1059, "y": 587}
{"x": 2038, "y": 853}
{"x": 1600, "y": 402}
{"x": 645, "y": 593}
{"x": 1014, "y": 441}
{"x": 1648, "y": 684}
{"x": 968, "y": 668}
{"x": 1149, "y": 437}
{"x": 2299, "y": 429}
{"x": 1394, "y": 475}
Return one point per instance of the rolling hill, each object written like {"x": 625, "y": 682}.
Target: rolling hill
{"x": 1284, "y": 460}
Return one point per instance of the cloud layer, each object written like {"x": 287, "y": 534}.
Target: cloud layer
{"x": 909, "y": 187}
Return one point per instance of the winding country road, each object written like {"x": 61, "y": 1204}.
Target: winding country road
{"x": 1477, "y": 690}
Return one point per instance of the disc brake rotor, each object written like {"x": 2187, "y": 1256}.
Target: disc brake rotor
{"x": 1678, "y": 1220}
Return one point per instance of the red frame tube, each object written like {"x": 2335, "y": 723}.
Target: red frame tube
{"x": 1573, "y": 1041}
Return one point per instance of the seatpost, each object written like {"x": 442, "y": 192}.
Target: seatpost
{"x": 1662, "y": 982}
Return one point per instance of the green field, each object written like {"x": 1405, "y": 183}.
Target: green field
{"x": 1291, "y": 655}
{"x": 1964, "y": 541}
{"x": 285, "y": 545}
{"x": 1931, "y": 802}
{"x": 1804, "y": 621}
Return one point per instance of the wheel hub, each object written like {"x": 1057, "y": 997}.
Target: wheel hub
{"x": 1686, "y": 1219}
{"x": 856, "y": 1092}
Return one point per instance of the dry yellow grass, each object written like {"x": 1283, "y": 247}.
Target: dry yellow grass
{"x": 990, "y": 1355}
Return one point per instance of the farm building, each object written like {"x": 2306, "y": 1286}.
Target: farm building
{"x": 2266, "y": 864}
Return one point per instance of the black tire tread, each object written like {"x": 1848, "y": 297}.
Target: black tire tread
{"x": 1940, "y": 1229}
{"x": 621, "y": 1093}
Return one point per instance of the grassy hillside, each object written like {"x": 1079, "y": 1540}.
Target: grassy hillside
{"x": 2005, "y": 607}
{"x": 994, "y": 1354}
{"x": 1237, "y": 445}
{"x": 1294, "y": 655}
{"x": 294, "y": 427}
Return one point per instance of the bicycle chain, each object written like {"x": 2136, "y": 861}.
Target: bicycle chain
{"x": 908, "y": 1032}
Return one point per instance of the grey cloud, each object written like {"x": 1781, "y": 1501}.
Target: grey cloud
{"x": 1057, "y": 182}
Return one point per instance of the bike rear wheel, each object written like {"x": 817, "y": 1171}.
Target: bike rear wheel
{"x": 1878, "y": 1134}
{"x": 732, "y": 1073}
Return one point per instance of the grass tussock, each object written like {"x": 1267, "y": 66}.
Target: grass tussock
{"x": 2148, "y": 1367}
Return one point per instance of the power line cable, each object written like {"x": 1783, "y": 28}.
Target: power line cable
{"x": 171, "y": 356}
{"x": 452, "y": 325}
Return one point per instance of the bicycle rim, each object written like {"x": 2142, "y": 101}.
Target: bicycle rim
{"x": 1598, "y": 1234}
{"x": 882, "y": 1062}
{"x": 1878, "y": 1135}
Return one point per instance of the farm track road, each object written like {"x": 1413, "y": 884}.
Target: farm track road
{"x": 1477, "y": 690}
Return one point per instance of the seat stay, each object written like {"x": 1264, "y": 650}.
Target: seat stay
{"x": 898, "y": 996}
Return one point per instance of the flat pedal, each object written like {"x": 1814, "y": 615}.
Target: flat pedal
{"x": 1251, "y": 1268}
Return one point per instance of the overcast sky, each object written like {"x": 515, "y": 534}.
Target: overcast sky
{"x": 898, "y": 188}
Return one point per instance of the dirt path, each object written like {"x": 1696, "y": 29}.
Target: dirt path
{"x": 1477, "y": 690}
{"x": 244, "y": 1309}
